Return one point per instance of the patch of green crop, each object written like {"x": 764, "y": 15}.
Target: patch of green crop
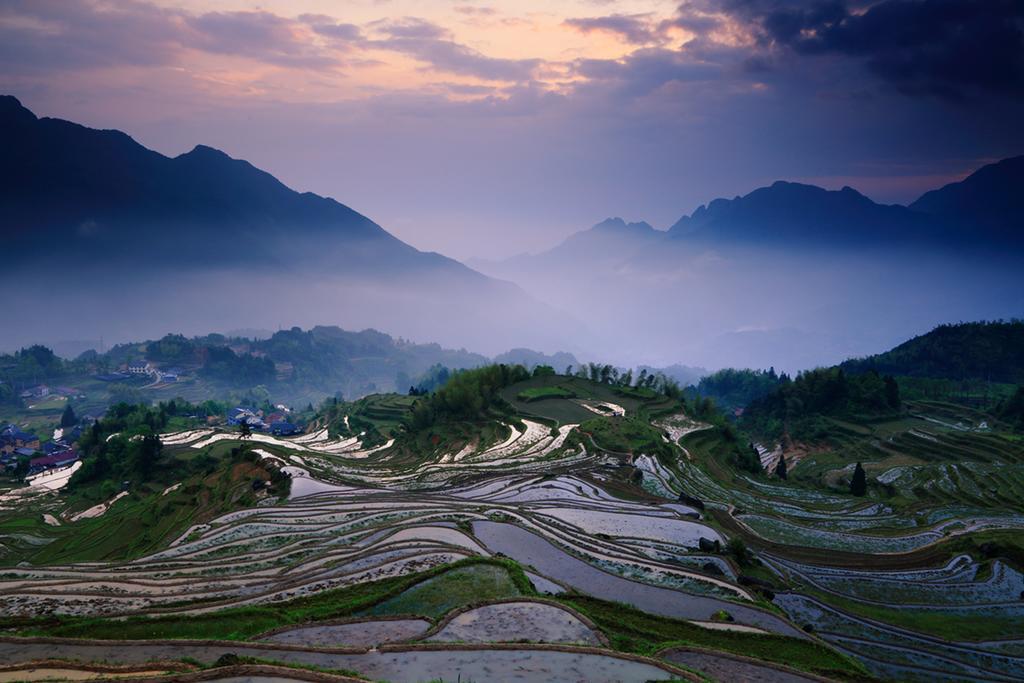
{"x": 539, "y": 393}
{"x": 626, "y": 435}
{"x": 456, "y": 588}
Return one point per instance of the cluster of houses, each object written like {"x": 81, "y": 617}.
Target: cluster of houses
{"x": 143, "y": 368}
{"x": 275, "y": 423}
{"x": 17, "y": 445}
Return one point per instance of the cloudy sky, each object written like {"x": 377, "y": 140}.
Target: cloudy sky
{"x": 494, "y": 127}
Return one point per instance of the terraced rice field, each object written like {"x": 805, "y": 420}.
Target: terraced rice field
{"x": 361, "y": 516}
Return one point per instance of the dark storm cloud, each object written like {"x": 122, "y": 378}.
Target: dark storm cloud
{"x": 633, "y": 28}
{"x": 949, "y": 48}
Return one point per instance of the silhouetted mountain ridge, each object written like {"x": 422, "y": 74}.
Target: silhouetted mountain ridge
{"x": 106, "y": 226}
{"x": 991, "y": 199}
{"x": 794, "y": 211}
{"x": 984, "y": 209}
{"x": 68, "y": 187}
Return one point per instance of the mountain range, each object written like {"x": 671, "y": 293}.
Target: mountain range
{"x": 109, "y": 239}
{"x": 98, "y": 222}
{"x": 792, "y": 275}
{"x": 984, "y": 209}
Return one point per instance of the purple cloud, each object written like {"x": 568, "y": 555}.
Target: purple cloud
{"x": 633, "y": 28}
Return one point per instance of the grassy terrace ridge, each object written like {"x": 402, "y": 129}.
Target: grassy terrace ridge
{"x": 631, "y": 630}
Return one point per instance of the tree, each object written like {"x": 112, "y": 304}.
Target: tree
{"x": 780, "y": 468}
{"x": 244, "y": 430}
{"x": 68, "y": 418}
{"x": 859, "y": 483}
{"x": 892, "y": 392}
{"x": 739, "y": 551}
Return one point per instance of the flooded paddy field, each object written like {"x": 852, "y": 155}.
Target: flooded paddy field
{"x": 484, "y": 530}
{"x": 399, "y": 666}
{"x": 511, "y": 622}
{"x": 366, "y": 633}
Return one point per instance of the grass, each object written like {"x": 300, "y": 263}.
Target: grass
{"x": 140, "y": 523}
{"x": 242, "y": 623}
{"x": 630, "y": 630}
{"x": 552, "y": 398}
{"x": 626, "y": 435}
{"x": 456, "y": 588}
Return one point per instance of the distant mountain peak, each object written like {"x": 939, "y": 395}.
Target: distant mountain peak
{"x": 989, "y": 201}
{"x": 205, "y": 151}
{"x": 617, "y": 224}
{"x": 806, "y": 213}
{"x": 12, "y": 111}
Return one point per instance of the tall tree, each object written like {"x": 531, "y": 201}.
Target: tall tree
{"x": 892, "y": 392}
{"x": 859, "y": 483}
{"x": 780, "y": 468}
{"x": 68, "y": 418}
{"x": 244, "y": 430}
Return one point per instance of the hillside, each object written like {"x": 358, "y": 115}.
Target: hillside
{"x": 991, "y": 351}
{"x": 236, "y": 246}
{"x": 988, "y": 201}
{"x": 101, "y": 194}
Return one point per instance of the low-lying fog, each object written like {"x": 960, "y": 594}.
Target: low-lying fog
{"x": 791, "y": 308}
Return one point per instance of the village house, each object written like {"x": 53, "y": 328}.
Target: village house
{"x": 141, "y": 367}
{"x": 254, "y": 418}
{"x": 13, "y": 438}
{"x": 40, "y": 391}
{"x": 283, "y": 428}
{"x": 49, "y": 462}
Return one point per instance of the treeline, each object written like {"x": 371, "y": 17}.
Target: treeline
{"x": 432, "y": 380}
{"x": 608, "y": 374}
{"x": 468, "y": 395}
{"x": 796, "y": 406}
{"x": 224, "y": 365}
{"x": 990, "y": 351}
{"x": 1011, "y": 410}
{"x": 122, "y": 446}
{"x": 27, "y": 367}
{"x": 732, "y": 388}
